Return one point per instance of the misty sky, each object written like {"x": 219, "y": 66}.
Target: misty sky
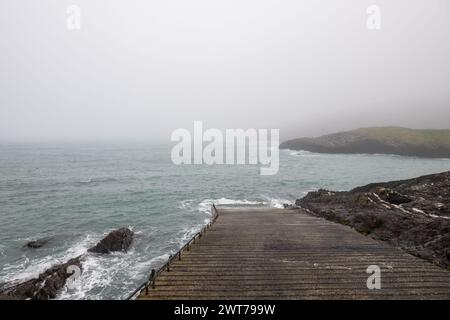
{"x": 140, "y": 69}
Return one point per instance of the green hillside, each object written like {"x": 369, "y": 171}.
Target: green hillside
{"x": 387, "y": 140}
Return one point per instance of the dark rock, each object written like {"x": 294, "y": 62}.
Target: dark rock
{"x": 412, "y": 214}
{"x": 366, "y": 223}
{"x": 426, "y": 254}
{"x": 117, "y": 240}
{"x": 51, "y": 281}
{"x": 38, "y": 243}
{"x": 392, "y": 196}
{"x": 45, "y": 286}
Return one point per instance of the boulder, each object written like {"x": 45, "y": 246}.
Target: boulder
{"x": 38, "y": 243}
{"x": 117, "y": 240}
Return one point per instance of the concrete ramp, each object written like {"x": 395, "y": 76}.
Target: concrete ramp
{"x": 266, "y": 253}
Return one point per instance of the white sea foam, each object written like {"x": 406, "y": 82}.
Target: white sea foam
{"x": 101, "y": 273}
{"x": 301, "y": 153}
{"x": 205, "y": 205}
{"x": 188, "y": 233}
{"x": 27, "y": 268}
{"x": 89, "y": 181}
{"x": 279, "y": 203}
{"x": 185, "y": 204}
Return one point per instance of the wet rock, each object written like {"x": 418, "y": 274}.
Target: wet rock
{"x": 440, "y": 206}
{"x": 38, "y": 243}
{"x": 45, "y": 286}
{"x": 366, "y": 223}
{"x": 50, "y": 282}
{"x": 392, "y": 196}
{"x": 412, "y": 214}
{"x": 117, "y": 240}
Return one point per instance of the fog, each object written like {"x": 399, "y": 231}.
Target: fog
{"x": 141, "y": 69}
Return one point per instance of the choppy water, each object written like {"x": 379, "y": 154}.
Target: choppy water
{"x": 77, "y": 193}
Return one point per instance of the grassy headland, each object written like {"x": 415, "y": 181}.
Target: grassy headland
{"x": 385, "y": 140}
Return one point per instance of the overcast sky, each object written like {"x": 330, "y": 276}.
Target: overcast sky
{"x": 140, "y": 69}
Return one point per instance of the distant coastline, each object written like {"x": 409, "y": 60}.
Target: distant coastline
{"x": 378, "y": 140}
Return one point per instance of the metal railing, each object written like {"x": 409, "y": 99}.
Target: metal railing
{"x": 177, "y": 256}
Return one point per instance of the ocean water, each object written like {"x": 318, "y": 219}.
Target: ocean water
{"x": 77, "y": 193}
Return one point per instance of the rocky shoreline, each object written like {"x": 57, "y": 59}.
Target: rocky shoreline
{"x": 48, "y": 283}
{"x": 412, "y": 214}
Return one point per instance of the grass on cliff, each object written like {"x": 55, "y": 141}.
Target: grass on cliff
{"x": 405, "y": 135}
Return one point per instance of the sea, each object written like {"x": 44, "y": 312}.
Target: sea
{"x": 75, "y": 193}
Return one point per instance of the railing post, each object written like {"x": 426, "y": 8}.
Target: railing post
{"x": 179, "y": 256}
{"x": 152, "y": 276}
{"x": 168, "y": 263}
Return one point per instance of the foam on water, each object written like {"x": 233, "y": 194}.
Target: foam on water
{"x": 279, "y": 203}
{"x": 301, "y": 153}
{"x": 205, "y": 205}
{"x": 27, "y": 268}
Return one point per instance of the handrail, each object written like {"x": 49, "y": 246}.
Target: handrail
{"x": 166, "y": 266}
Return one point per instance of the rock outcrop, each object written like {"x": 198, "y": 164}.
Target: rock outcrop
{"x": 50, "y": 282}
{"x": 45, "y": 286}
{"x": 117, "y": 240}
{"x": 412, "y": 214}
{"x": 38, "y": 243}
